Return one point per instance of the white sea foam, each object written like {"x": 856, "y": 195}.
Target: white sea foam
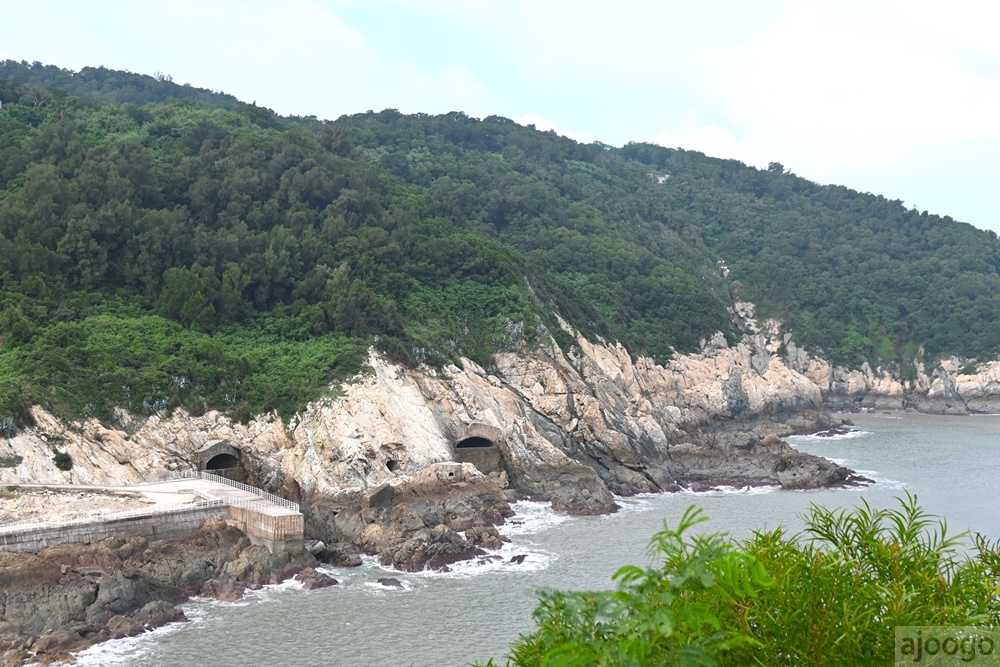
{"x": 376, "y": 587}
{"x": 725, "y": 490}
{"x": 128, "y": 650}
{"x": 492, "y": 562}
{"x": 840, "y": 462}
{"x": 850, "y": 435}
{"x": 640, "y": 502}
{"x": 497, "y": 561}
{"x": 881, "y": 482}
{"x": 530, "y": 517}
{"x": 265, "y": 593}
{"x": 500, "y": 560}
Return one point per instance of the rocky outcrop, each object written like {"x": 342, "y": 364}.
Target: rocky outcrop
{"x": 312, "y": 579}
{"x": 429, "y": 548}
{"x": 486, "y": 537}
{"x": 980, "y": 390}
{"x": 69, "y": 597}
{"x": 341, "y": 554}
{"x": 954, "y": 387}
{"x": 415, "y": 524}
{"x": 377, "y": 464}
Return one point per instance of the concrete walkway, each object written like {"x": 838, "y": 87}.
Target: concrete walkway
{"x": 177, "y": 509}
{"x": 182, "y": 491}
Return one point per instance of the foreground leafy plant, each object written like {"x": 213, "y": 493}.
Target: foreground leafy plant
{"x": 832, "y": 595}
{"x": 663, "y": 615}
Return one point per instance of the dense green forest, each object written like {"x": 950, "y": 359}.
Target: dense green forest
{"x": 109, "y": 85}
{"x": 162, "y": 245}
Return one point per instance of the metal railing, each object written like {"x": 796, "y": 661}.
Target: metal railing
{"x": 260, "y": 507}
{"x": 29, "y": 525}
{"x": 277, "y": 500}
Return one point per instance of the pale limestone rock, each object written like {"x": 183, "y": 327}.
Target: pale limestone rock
{"x": 570, "y": 426}
{"x": 945, "y": 389}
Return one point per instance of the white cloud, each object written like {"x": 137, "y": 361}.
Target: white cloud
{"x": 709, "y": 138}
{"x": 871, "y": 97}
{"x": 295, "y": 56}
{"x": 544, "y": 124}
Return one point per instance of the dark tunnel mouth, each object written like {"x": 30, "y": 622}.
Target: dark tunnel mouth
{"x": 222, "y": 462}
{"x": 473, "y": 442}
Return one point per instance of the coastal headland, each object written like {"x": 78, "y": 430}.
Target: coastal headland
{"x": 419, "y": 467}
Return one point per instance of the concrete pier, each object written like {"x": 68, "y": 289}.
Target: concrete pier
{"x": 178, "y": 509}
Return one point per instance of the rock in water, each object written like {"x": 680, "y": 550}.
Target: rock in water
{"x": 312, "y": 579}
{"x": 430, "y": 548}
{"x": 341, "y": 554}
{"x": 486, "y": 537}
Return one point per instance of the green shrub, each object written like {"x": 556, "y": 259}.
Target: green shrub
{"x": 8, "y": 427}
{"x": 63, "y": 461}
{"x": 970, "y": 368}
{"x": 566, "y": 341}
{"x": 830, "y": 596}
{"x": 145, "y": 364}
{"x": 10, "y": 461}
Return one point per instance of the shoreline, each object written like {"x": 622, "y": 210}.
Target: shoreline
{"x": 56, "y": 647}
{"x": 66, "y": 598}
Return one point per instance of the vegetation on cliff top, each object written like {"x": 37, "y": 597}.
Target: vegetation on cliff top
{"x": 162, "y": 245}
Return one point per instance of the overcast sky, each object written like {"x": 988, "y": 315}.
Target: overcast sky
{"x": 894, "y": 97}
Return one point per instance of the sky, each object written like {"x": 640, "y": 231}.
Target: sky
{"x": 894, "y": 97}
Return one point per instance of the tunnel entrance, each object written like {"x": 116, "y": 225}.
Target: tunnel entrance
{"x": 480, "y": 452}
{"x": 222, "y": 462}
{"x": 222, "y": 459}
{"x": 474, "y": 441}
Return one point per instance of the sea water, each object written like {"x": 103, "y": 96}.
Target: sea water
{"x": 475, "y": 611}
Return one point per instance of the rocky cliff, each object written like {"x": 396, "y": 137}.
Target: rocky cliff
{"x": 953, "y": 387}
{"x": 574, "y": 426}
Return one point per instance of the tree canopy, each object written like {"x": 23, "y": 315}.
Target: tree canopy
{"x": 217, "y": 235}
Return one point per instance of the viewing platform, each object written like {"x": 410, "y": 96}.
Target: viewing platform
{"x": 178, "y": 508}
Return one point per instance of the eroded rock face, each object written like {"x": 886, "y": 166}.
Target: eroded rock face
{"x": 979, "y": 390}
{"x": 375, "y": 465}
{"x": 953, "y": 388}
{"x": 415, "y": 523}
{"x": 572, "y": 428}
{"x": 69, "y": 597}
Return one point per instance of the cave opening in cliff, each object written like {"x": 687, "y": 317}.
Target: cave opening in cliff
{"x": 391, "y": 465}
{"x": 474, "y": 441}
{"x": 222, "y": 462}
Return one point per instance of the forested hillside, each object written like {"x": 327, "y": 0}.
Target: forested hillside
{"x": 855, "y": 276}
{"x": 108, "y": 84}
{"x": 167, "y": 252}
